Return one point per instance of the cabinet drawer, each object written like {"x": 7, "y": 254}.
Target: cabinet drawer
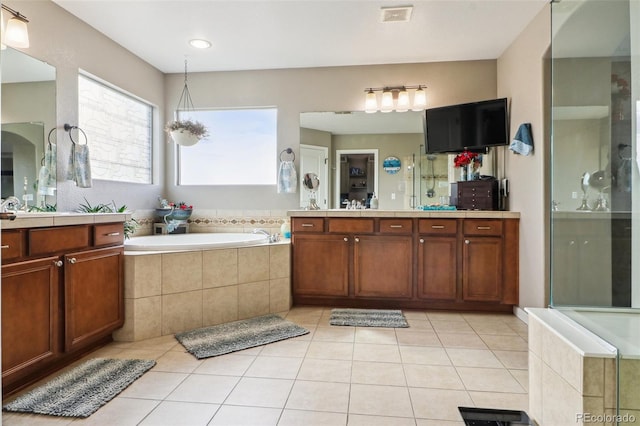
{"x": 438, "y": 226}
{"x": 108, "y": 234}
{"x": 12, "y": 245}
{"x": 55, "y": 240}
{"x": 307, "y": 224}
{"x": 396, "y": 226}
{"x": 351, "y": 225}
{"x": 483, "y": 227}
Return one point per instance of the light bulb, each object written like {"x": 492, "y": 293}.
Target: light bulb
{"x": 419, "y": 99}
{"x": 386, "y": 105}
{"x": 403, "y": 101}
{"x": 16, "y": 34}
{"x": 370, "y": 102}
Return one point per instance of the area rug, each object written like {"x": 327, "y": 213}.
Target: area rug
{"x": 82, "y": 390}
{"x": 238, "y": 335}
{"x": 390, "y": 318}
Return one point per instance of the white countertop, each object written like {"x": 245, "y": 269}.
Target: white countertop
{"x": 454, "y": 214}
{"x": 46, "y": 219}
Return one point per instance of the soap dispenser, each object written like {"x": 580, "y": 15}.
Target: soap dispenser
{"x": 373, "y": 204}
{"x": 285, "y": 229}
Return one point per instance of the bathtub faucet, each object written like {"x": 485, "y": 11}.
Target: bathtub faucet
{"x": 9, "y": 201}
{"x": 272, "y": 237}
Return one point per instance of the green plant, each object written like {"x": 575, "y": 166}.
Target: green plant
{"x": 45, "y": 208}
{"x": 194, "y": 127}
{"x": 129, "y": 225}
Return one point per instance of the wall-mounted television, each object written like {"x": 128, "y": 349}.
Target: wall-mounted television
{"x": 473, "y": 126}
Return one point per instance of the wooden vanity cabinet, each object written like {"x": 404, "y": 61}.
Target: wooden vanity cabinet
{"x": 62, "y": 296}
{"x": 438, "y": 259}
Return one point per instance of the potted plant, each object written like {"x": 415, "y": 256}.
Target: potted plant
{"x": 186, "y": 132}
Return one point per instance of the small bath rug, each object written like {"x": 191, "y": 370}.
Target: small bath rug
{"x": 390, "y": 318}
{"x": 81, "y": 391}
{"x": 238, "y": 335}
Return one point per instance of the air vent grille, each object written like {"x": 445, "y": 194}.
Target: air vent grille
{"x": 396, "y": 14}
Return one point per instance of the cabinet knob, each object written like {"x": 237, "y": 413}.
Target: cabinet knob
{"x": 345, "y": 239}
{"x": 356, "y": 239}
{"x": 58, "y": 263}
{"x": 112, "y": 234}
{"x": 421, "y": 240}
{"x": 72, "y": 260}
{"x": 585, "y": 242}
{"x": 467, "y": 242}
{"x": 572, "y": 243}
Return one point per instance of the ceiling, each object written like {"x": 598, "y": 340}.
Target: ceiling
{"x": 265, "y": 34}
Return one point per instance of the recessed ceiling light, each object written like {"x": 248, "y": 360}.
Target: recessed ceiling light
{"x": 199, "y": 43}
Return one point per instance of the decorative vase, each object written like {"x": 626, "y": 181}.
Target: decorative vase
{"x": 464, "y": 173}
{"x": 184, "y": 137}
{"x": 472, "y": 172}
{"x": 172, "y": 214}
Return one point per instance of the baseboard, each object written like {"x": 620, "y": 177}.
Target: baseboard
{"x": 521, "y": 314}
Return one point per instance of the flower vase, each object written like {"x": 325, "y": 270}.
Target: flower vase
{"x": 464, "y": 173}
{"x": 472, "y": 172}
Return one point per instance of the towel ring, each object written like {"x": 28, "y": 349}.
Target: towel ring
{"x": 290, "y": 152}
{"x": 69, "y": 128}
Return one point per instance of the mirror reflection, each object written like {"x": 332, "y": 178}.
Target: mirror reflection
{"x": 28, "y": 113}
{"x": 366, "y": 140}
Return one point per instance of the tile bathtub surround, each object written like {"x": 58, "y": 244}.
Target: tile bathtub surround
{"x": 333, "y": 376}
{"x": 173, "y": 292}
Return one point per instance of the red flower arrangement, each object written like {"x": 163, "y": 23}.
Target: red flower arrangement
{"x": 181, "y": 206}
{"x": 620, "y": 86}
{"x": 467, "y": 157}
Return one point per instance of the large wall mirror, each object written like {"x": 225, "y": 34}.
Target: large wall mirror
{"x": 359, "y": 143}
{"x": 28, "y": 114}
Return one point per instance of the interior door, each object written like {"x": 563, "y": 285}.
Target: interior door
{"x": 314, "y": 159}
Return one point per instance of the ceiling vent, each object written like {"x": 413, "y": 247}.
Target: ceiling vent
{"x": 395, "y": 14}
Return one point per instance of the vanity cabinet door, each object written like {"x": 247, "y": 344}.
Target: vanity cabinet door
{"x": 321, "y": 264}
{"x": 94, "y": 295}
{"x": 437, "y": 267}
{"x": 30, "y": 317}
{"x": 383, "y": 266}
{"x": 482, "y": 269}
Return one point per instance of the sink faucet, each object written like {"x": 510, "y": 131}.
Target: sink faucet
{"x": 272, "y": 237}
{"x": 13, "y": 201}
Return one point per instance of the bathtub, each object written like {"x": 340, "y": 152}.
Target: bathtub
{"x": 196, "y": 241}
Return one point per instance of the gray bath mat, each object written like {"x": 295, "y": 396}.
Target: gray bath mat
{"x": 238, "y": 335}
{"x": 390, "y": 318}
{"x": 82, "y": 390}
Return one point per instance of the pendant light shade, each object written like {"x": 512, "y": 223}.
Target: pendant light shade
{"x": 16, "y": 33}
{"x": 386, "y": 105}
{"x": 403, "y": 101}
{"x": 371, "y": 102}
{"x": 419, "y": 99}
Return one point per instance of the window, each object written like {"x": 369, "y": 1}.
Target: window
{"x": 240, "y": 149}
{"x": 120, "y": 132}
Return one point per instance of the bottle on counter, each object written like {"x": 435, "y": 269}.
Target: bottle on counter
{"x": 285, "y": 229}
{"x": 373, "y": 204}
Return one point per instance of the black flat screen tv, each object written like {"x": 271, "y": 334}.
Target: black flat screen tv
{"x": 473, "y": 126}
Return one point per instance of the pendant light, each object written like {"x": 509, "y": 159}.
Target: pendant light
{"x": 395, "y": 98}
{"x": 16, "y": 33}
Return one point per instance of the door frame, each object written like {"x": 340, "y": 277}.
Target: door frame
{"x": 323, "y": 174}
{"x": 339, "y": 154}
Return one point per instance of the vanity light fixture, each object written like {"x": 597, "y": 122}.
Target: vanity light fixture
{"x": 200, "y": 43}
{"x": 395, "y": 98}
{"x": 16, "y": 33}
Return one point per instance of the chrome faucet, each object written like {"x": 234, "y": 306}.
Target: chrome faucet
{"x": 272, "y": 237}
{"x": 9, "y": 201}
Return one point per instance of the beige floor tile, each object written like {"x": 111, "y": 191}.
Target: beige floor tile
{"x": 334, "y": 334}
{"x": 513, "y": 359}
{"x": 427, "y": 422}
{"x": 162, "y": 343}
{"x": 378, "y": 373}
{"x": 170, "y": 413}
{"x": 444, "y": 326}
{"x": 419, "y": 324}
{"x": 419, "y": 315}
{"x": 274, "y": 367}
{"x": 191, "y": 390}
{"x": 177, "y": 362}
{"x": 258, "y": 392}
{"x": 444, "y": 316}
{"x": 119, "y": 411}
{"x": 138, "y": 354}
{"x": 330, "y": 350}
{"x": 226, "y": 365}
{"x": 493, "y": 327}
{"x": 362, "y": 420}
{"x": 246, "y": 416}
{"x": 21, "y": 419}
{"x": 154, "y": 385}
{"x": 417, "y": 338}
{"x": 376, "y": 352}
{"x": 289, "y": 347}
{"x": 432, "y": 376}
{"x": 439, "y": 404}
{"x": 499, "y": 400}
{"x": 424, "y": 355}
{"x": 459, "y": 340}
{"x": 505, "y": 343}
{"x": 319, "y": 396}
{"x": 489, "y": 380}
{"x": 375, "y": 335}
{"x": 311, "y": 418}
{"x": 325, "y": 370}
{"x": 473, "y": 358}
{"x": 392, "y": 401}
{"x": 522, "y": 376}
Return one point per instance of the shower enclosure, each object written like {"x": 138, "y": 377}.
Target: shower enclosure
{"x": 595, "y": 186}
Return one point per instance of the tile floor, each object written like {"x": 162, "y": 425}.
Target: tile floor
{"x": 331, "y": 376}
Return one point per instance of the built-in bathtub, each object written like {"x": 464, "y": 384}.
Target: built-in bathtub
{"x": 196, "y": 241}
{"x": 175, "y": 283}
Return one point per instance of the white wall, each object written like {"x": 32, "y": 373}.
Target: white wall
{"x": 523, "y": 76}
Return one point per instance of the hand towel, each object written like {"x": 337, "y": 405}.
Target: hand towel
{"x": 47, "y": 173}
{"x": 522, "y": 143}
{"x": 287, "y": 178}
{"x": 79, "y": 169}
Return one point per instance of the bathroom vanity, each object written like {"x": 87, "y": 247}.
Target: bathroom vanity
{"x": 62, "y": 291}
{"x": 456, "y": 260}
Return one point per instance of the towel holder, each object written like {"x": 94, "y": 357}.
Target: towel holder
{"x": 49, "y": 143}
{"x": 290, "y": 152}
{"x": 68, "y": 128}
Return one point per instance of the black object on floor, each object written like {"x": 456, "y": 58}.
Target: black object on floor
{"x": 493, "y": 417}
